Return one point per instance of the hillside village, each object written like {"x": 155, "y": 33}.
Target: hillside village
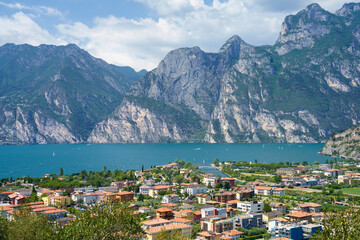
{"x": 255, "y": 201}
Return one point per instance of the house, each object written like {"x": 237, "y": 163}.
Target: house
{"x": 212, "y": 211}
{"x": 155, "y": 223}
{"x": 16, "y": 198}
{"x": 298, "y": 216}
{"x": 197, "y": 215}
{"x": 302, "y": 168}
{"x": 332, "y": 172}
{"x": 187, "y": 207}
{"x": 227, "y": 179}
{"x": 125, "y": 196}
{"x": 325, "y": 167}
{"x": 55, "y": 214}
{"x": 144, "y": 209}
{"x": 154, "y": 192}
{"x": 243, "y": 193}
{"x": 194, "y": 189}
{"x": 276, "y": 222}
{"x": 170, "y": 205}
{"x": 78, "y": 195}
{"x": 181, "y": 220}
{"x": 289, "y": 171}
{"x": 260, "y": 190}
{"x": 4, "y": 196}
{"x": 182, "y": 229}
{"x": 310, "y": 207}
{"x": 217, "y": 224}
{"x": 248, "y": 221}
{"x": 164, "y": 213}
{"x": 208, "y": 235}
{"x": 45, "y": 191}
{"x": 145, "y": 189}
{"x": 232, "y": 203}
{"x": 232, "y": 235}
{"x": 278, "y": 192}
{"x": 210, "y": 179}
{"x": 225, "y": 197}
{"x": 170, "y": 198}
{"x": 271, "y": 215}
{"x": 298, "y": 231}
{"x": 186, "y": 214}
{"x": 293, "y": 232}
{"x": 58, "y": 201}
{"x": 92, "y": 197}
{"x": 346, "y": 180}
{"x": 23, "y": 191}
{"x": 310, "y": 229}
{"x": 281, "y": 207}
{"x": 253, "y": 206}
{"x": 119, "y": 185}
{"x": 203, "y": 198}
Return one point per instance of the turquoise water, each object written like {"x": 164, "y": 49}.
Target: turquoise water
{"x": 37, "y": 160}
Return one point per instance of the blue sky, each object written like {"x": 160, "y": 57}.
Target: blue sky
{"x": 139, "y": 33}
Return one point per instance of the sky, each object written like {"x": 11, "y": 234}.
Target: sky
{"x": 139, "y": 33}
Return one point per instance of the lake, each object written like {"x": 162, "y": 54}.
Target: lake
{"x": 37, "y": 160}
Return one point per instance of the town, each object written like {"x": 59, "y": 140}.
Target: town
{"x": 254, "y": 201}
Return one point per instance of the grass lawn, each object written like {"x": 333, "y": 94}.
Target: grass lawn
{"x": 351, "y": 190}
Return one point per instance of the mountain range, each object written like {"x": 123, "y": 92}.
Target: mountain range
{"x": 303, "y": 88}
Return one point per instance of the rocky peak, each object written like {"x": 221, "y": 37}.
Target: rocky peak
{"x": 235, "y": 46}
{"x": 315, "y": 12}
{"x": 301, "y": 30}
{"x": 348, "y": 9}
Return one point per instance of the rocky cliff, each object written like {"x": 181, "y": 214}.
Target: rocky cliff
{"x": 56, "y": 94}
{"x": 344, "y": 144}
{"x": 302, "y": 89}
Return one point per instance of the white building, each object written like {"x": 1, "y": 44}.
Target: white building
{"x": 144, "y": 190}
{"x": 254, "y": 206}
{"x": 260, "y": 190}
{"x": 195, "y": 189}
{"x": 170, "y": 198}
{"x": 76, "y": 196}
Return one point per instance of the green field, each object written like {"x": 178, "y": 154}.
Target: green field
{"x": 351, "y": 190}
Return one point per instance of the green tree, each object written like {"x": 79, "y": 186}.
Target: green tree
{"x": 305, "y": 163}
{"x": 179, "y": 179}
{"x": 4, "y": 227}
{"x": 216, "y": 162}
{"x": 33, "y": 197}
{"x": 109, "y": 221}
{"x": 141, "y": 198}
{"x": 267, "y": 207}
{"x": 61, "y": 173}
{"x": 341, "y": 225}
{"x": 227, "y": 185}
{"x": 29, "y": 226}
{"x": 277, "y": 178}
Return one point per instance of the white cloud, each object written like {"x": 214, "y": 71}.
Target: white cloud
{"x": 20, "y": 28}
{"x": 142, "y": 43}
{"x": 38, "y": 9}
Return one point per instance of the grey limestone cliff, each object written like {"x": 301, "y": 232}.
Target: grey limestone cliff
{"x": 302, "y": 89}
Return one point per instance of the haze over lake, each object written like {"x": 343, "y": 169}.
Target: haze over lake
{"x": 37, "y": 160}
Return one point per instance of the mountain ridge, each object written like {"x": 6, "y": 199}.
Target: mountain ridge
{"x": 303, "y": 88}
{"x": 293, "y": 91}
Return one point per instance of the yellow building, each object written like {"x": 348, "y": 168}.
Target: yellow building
{"x": 58, "y": 201}
{"x": 153, "y": 232}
